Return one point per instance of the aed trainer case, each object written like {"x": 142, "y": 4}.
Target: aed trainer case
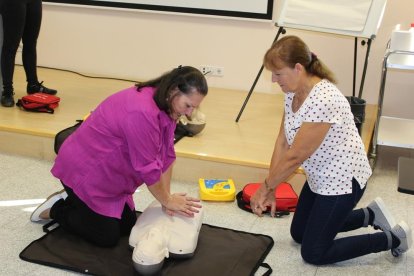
{"x": 217, "y": 189}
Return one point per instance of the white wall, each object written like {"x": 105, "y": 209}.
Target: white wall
{"x": 141, "y": 45}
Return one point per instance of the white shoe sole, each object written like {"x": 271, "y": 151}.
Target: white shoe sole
{"x": 47, "y": 204}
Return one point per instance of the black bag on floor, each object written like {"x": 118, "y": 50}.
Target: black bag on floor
{"x": 358, "y": 110}
{"x": 63, "y": 134}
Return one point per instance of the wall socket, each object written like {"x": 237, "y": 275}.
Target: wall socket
{"x": 214, "y": 71}
{"x": 20, "y": 48}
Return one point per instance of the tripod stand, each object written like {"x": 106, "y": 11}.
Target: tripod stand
{"x": 280, "y": 31}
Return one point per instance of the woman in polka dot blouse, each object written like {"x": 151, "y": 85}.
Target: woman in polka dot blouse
{"x": 318, "y": 133}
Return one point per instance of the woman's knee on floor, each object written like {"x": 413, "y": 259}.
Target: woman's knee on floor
{"x": 106, "y": 237}
{"x": 296, "y": 234}
{"x": 313, "y": 255}
{"x": 103, "y": 234}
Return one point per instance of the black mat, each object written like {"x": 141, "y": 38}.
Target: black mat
{"x": 220, "y": 251}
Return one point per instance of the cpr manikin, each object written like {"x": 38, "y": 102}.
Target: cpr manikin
{"x": 157, "y": 236}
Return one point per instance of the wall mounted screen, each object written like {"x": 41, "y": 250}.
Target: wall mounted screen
{"x": 255, "y": 9}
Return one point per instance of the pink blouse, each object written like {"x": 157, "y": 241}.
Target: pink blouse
{"x": 125, "y": 142}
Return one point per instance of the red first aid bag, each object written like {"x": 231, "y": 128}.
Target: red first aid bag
{"x": 286, "y": 197}
{"x": 39, "y": 102}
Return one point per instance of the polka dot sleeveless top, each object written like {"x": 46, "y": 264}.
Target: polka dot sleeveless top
{"x": 341, "y": 156}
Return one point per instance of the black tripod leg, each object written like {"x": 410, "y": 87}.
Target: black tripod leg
{"x": 365, "y": 68}
{"x": 355, "y": 65}
{"x": 250, "y": 93}
{"x": 281, "y": 30}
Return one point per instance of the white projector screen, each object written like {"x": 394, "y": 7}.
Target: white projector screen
{"x": 358, "y": 18}
{"x": 255, "y": 9}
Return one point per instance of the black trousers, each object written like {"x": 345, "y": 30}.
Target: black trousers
{"x": 318, "y": 219}
{"x": 76, "y": 217}
{"x": 21, "y": 21}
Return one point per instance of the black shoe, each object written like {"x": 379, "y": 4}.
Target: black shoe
{"x": 38, "y": 87}
{"x": 7, "y": 99}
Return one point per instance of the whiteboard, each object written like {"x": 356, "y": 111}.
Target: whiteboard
{"x": 358, "y": 18}
{"x": 256, "y": 9}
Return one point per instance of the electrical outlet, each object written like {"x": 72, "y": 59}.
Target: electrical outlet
{"x": 20, "y": 48}
{"x": 217, "y": 71}
{"x": 213, "y": 71}
{"x": 205, "y": 70}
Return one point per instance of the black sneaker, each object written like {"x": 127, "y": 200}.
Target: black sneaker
{"x": 7, "y": 99}
{"x": 39, "y": 87}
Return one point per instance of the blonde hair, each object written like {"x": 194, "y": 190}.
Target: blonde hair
{"x": 290, "y": 50}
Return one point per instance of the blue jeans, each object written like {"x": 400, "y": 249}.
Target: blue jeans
{"x": 319, "y": 218}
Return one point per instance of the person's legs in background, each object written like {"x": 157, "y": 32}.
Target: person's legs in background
{"x": 1, "y": 46}
{"x": 29, "y": 54}
{"x": 29, "y": 39}
{"x": 21, "y": 21}
{"x": 13, "y": 25}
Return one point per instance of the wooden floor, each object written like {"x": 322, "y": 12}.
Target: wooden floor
{"x": 225, "y": 149}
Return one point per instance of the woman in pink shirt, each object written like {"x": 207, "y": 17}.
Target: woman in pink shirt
{"x": 127, "y": 141}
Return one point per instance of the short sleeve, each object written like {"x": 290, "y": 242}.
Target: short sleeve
{"x": 326, "y": 105}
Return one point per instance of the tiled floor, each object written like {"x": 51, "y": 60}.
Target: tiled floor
{"x": 25, "y": 182}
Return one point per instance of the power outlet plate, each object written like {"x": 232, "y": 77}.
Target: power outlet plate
{"x": 214, "y": 71}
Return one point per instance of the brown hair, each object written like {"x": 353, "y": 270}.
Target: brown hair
{"x": 290, "y": 50}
